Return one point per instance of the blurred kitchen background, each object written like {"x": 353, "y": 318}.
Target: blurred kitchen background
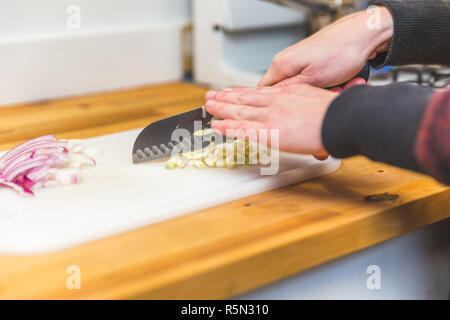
{"x": 58, "y": 48}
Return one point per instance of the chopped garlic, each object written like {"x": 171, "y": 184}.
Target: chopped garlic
{"x": 77, "y": 148}
{"x": 228, "y": 154}
{"x": 204, "y": 132}
{"x": 91, "y": 152}
{"x": 197, "y": 155}
{"x": 210, "y": 162}
{"x": 196, "y": 163}
{"x": 180, "y": 163}
{"x": 67, "y": 176}
{"x": 171, "y": 163}
{"x": 220, "y": 164}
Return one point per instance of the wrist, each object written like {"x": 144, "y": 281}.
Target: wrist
{"x": 385, "y": 32}
{"x": 330, "y": 99}
{"x": 378, "y": 28}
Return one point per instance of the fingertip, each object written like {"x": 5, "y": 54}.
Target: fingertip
{"x": 210, "y": 103}
{"x": 356, "y": 81}
{"x": 321, "y": 157}
{"x": 221, "y": 95}
{"x": 215, "y": 123}
{"x": 209, "y": 106}
{"x": 210, "y": 94}
{"x": 336, "y": 89}
{"x": 217, "y": 126}
{"x": 360, "y": 80}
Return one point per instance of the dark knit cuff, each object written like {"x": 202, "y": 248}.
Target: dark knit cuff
{"x": 421, "y": 33}
{"x": 378, "y": 122}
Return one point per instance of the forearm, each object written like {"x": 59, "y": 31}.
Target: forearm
{"x": 388, "y": 124}
{"x": 421, "y": 33}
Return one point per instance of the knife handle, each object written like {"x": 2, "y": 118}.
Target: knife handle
{"x": 364, "y": 73}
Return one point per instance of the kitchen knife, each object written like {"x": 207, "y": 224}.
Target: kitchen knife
{"x": 157, "y": 140}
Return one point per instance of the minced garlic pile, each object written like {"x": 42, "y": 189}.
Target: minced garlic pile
{"x": 228, "y": 154}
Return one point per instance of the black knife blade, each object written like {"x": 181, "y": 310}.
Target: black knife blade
{"x": 155, "y": 140}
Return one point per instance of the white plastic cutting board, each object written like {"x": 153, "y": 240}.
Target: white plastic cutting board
{"x": 117, "y": 196}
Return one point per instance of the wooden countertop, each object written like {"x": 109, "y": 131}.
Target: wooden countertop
{"x": 224, "y": 250}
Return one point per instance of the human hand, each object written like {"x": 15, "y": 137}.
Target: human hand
{"x": 333, "y": 55}
{"x": 297, "y": 112}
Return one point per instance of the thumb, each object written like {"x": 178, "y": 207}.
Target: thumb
{"x": 272, "y": 76}
{"x": 283, "y": 67}
{"x": 298, "y": 79}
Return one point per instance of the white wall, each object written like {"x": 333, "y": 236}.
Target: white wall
{"x": 121, "y": 43}
{"x": 20, "y": 18}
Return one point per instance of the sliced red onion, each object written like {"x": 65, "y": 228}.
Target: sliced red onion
{"x": 83, "y": 159}
{"x": 33, "y": 147}
{"x": 17, "y": 159}
{"x": 25, "y": 182}
{"x": 57, "y": 157}
{"x": 38, "y": 173}
{"x": 52, "y": 160}
{"x": 25, "y": 145}
{"x": 21, "y": 190}
{"x": 43, "y": 162}
{"x": 24, "y": 168}
{"x": 50, "y": 183}
{"x": 67, "y": 176}
{"x": 51, "y": 150}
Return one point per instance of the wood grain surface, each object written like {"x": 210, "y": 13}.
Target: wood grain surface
{"x": 221, "y": 251}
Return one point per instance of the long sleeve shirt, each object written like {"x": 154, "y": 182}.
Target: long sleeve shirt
{"x": 401, "y": 124}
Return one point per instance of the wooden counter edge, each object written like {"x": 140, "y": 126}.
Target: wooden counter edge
{"x": 224, "y": 274}
{"x": 286, "y": 260}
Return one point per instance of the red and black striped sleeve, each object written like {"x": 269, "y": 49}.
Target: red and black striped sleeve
{"x": 401, "y": 124}
{"x": 432, "y": 145}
